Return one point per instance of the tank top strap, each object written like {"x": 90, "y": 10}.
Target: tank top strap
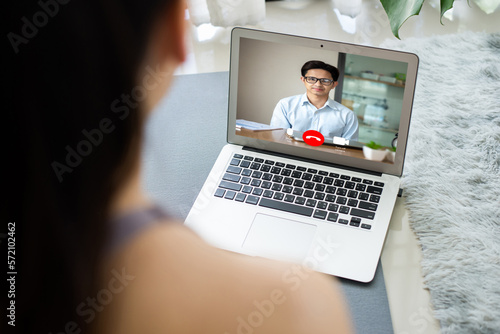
{"x": 125, "y": 226}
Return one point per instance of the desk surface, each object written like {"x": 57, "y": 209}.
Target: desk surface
{"x": 179, "y": 151}
{"x": 280, "y": 136}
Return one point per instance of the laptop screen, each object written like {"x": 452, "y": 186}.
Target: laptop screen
{"x": 321, "y": 99}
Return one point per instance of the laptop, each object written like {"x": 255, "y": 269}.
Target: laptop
{"x": 272, "y": 192}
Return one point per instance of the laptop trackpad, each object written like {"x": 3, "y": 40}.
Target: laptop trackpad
{"x": 279, "y": 238}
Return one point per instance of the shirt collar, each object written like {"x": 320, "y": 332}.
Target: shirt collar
{"x": 329, "y": 103}
{"x": 304, "y": 99}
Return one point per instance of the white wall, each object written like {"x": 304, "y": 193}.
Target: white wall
{"x": 269, "y": 72}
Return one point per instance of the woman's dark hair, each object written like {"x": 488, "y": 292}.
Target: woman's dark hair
{"x": 72, "y": 141}
{"x": 318, "y": 64}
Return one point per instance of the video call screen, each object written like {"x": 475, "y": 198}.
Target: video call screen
{"x": 368, "y": 90}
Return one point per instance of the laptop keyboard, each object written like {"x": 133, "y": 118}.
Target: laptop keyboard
{"x": 332, "y": 197}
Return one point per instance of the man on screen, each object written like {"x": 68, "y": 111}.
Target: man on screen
{"x": 315, "y": 110}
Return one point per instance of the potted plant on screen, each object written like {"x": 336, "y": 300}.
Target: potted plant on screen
{"x": 391, "y": 154}
{"x": 374, "y": 151}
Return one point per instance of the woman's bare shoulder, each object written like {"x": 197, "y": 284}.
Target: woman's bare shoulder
{"x": 184, "y": 285}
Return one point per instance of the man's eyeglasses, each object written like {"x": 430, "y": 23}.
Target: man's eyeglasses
{"x": 312, "y": 80}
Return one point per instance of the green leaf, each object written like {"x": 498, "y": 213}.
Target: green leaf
{"x": 374, "y": 146}
{"x": 445, "y": 6}
{"x": 399, "y": 11}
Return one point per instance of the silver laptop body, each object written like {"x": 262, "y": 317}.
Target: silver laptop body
{"x": 334, "y": 219}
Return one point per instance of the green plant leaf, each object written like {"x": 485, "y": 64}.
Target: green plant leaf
{"x": 445, "y": 6}
{"x": 373, "y": 145}
{"x": 399, "y": 11}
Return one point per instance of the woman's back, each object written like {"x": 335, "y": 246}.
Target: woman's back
{"x": 174, "y": 282}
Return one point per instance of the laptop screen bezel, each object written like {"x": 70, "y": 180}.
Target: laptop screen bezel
{"x": 411, "y": 59}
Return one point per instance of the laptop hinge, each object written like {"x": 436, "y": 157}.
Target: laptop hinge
{"x": 318, "y": 162}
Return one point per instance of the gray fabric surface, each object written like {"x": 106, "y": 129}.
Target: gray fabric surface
{"x": 452, "y": 176}
{"x": 183, "y": 138}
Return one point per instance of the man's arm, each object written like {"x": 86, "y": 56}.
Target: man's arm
{"x": 279, "y": 119}
{"x": 351, "y": 129}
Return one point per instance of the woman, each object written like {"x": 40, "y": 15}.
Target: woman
{"x": 94, "y": 254}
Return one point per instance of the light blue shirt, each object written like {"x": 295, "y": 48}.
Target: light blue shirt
{"x": 332, "y": 120}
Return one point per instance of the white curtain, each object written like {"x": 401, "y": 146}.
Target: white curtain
{"x": 227, "y": 13}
